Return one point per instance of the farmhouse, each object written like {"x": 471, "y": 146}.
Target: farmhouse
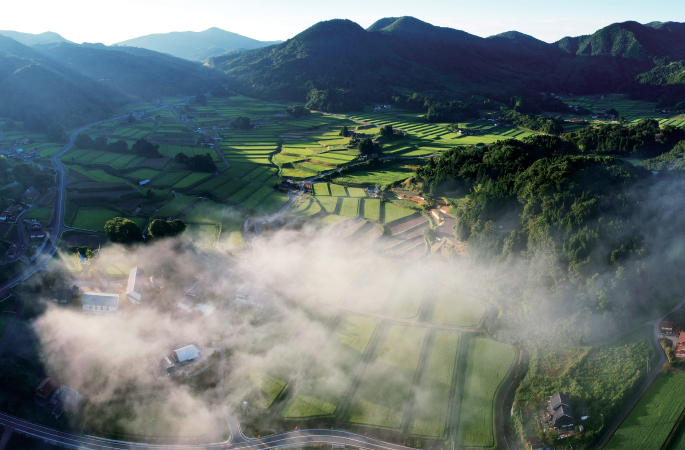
{"x": 135, "y": 285}
{"x": 11, "y": 212}
{"x": 680, "y": 346}
{"x": 560, "y": 412}
{"x": 30, "y": 194}
{"x": 100, "y": 302}
{"x": 668, "y": 327}
{"x": 186, "y": 354}
{"x": 12, "y": 251}
{"x": 61, "y": 399}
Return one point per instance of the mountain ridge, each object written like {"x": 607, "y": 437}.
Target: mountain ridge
{"x": 196, "y": 45}
{"x": 405, "y": 54}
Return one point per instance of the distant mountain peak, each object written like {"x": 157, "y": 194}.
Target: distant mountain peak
{"x": 196, "y": 45}
{"x": 48, "y": 37}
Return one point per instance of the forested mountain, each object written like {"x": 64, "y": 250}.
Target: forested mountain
{"x": 71, "y": 84}
{"x": 134, "y": 71}
{"x": 32, "y": 86}
{"x": 196, "y": 46}
{"x": 48, "y": 37}
{"x": 337, "y": 64}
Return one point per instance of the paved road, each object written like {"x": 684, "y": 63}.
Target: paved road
{"x": 304, "y": 437}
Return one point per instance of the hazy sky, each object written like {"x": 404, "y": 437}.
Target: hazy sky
{"x": 111, "y": 21}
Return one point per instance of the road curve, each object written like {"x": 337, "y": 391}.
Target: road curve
{"x": 293, "y": 438}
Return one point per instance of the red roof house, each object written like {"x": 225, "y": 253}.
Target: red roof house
{"x": 680, "y": 346}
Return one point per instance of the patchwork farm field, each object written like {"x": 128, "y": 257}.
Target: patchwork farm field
{"x": 383, "y": 392}
{"x": 325, "y": 384}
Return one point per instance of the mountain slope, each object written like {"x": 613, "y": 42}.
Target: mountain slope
{"x": 196, "y": 46}
{"x": 393, "y": 54}
{"x": 134, "y": 71}
{"x": 337, "y": 59}
{"x": 33, "y": 39}
{"x": 32, "y": 86}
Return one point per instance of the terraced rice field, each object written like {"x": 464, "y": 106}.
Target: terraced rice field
{"x": 487, "y": 365}
{"x": 326, "y": 382}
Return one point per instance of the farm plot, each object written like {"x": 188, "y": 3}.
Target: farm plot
{"x": 204, "y": 235}
{"x": 356, "y": 192}
{"x": 94, "y": 219}
{"x": 256, "y": 197}
{"x": 338, "y": 191}
{"x": 169, "y": 179}
{"x": 229, "y": 188}
{"x": 383, "y": 393}
{"x": 243, "y": 192}
{"x": 456, "y": 308}
{"x": 350, "y": 207}
{"x": 49, "y": 151}
{"x": 371, "y": 209}
{"x": 321, "y": 189}
{"x": 651, "y": 421}
{"x": 487, "y": 365}
{"x": 392, "y": 212}
{"x": 42, "y": 214}
{"x": 326, "y": 382}
{"x": 272, "y": 203}
{"x": 406, "y": 296}
{"x": 174, "y": 207}
{"x": 374, "y": 285}
{"x": 387, "y": 174}
{"x": 191, "y": 179}
{"x": 432, "y": 398}
{"x": 329, "y": 203}
{"x": 205, "y": 212}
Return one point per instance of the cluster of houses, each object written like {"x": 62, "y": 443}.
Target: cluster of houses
{"x": 381, "y": 107}
{"x": 141, "y": 117}
{"x": 11, "y": 213}
{"x": 495, "y": 122}
{"x": 374, "y": 192}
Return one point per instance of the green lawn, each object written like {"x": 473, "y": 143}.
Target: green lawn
{"x": 382, "y": 395}
{"x": 487, "y": 365}
{"x": 431, "y": 406}
{"x": 94, "y": 219}
{"x": 327, "y": 381}
{"x": 650, "y": 422}
{"x": 455, "y": 308}
{"x": 42, "y": 214}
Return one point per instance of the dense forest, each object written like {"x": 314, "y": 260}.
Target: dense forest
{"x": 583, "y": 218}
{"x": 645, "y": 138}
